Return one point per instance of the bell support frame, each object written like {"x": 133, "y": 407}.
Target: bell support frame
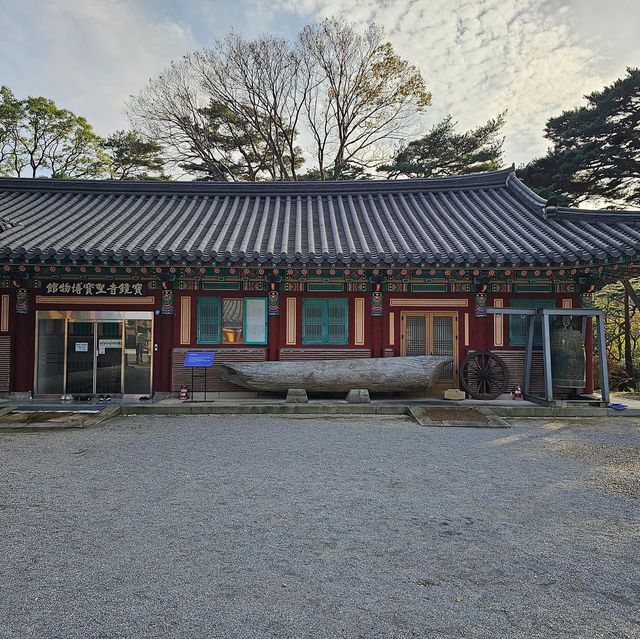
{"x": 545, "y": 314}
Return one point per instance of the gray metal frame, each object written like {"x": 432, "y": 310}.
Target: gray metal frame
{"x": 545, "y": 313}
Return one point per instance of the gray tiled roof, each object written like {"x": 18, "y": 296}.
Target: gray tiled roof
{"x": 486, "y": 218}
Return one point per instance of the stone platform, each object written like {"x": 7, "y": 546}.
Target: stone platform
{"x": 425, "y": 411}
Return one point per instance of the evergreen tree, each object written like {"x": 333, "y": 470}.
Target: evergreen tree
{"x": 129, "y": 157}
{"x": 596, "y": 149}
{"x": 443, "y": 151}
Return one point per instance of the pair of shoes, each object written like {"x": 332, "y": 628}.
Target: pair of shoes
{"x": 66, "y": 398}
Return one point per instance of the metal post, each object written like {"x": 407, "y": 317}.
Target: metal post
{"x": 583, "y": 332}
{"x": 602, "y": 353}
{"x": 546, "y": 354}
{"x": 528, "y": 357}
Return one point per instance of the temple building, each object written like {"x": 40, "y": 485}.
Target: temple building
{"x": 107, "y": 285}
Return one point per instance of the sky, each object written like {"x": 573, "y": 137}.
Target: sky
{"x": 478, "y": 57}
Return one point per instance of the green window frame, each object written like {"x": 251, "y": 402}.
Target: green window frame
{"x": 519, "y": 324}
{"x": 325, "y": 320}
{"x": 209, "y": 320}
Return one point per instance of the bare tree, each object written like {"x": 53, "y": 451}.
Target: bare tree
{"x": 259, "y": 82}
{"x": 172, "y": 112}
{"x": 239, "y": 109}
{"x": 363, "y": 97}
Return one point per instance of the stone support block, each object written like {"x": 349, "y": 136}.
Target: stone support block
{"x": 358, "y": 396}
{"x": 455, "y": 394}
{"x": 297, "y": 396}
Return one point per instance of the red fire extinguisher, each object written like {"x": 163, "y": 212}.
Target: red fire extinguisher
{"x": 517, "y": 393}
{"x": 184, "y": 393}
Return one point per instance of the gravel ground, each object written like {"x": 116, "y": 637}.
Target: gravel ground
{"x": 278, "y": 527}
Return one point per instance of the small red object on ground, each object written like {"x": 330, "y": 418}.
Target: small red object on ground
{"x": 516, "y": 393}
{"x": 184, "y": 393}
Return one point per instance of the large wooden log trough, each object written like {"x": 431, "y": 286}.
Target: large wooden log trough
{"x": 338, "y": 376}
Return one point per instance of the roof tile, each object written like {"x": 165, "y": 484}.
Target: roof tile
{"x": 481, "y": 219}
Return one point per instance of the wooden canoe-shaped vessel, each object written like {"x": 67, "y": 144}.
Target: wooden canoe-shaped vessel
{"x": 338, "y": 375}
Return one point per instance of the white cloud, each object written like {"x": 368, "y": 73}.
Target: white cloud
{"x": 534, "y": 57}
{"x": 88, "y": 55}
{"x": 482, "y": 56}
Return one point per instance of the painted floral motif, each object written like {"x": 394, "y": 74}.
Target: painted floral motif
{"x": 22, "y": 301}
{"x": 167, "y": 303}
{"x": 376, "y": 304}
{"x": 586, "y": 300}
{"x": 274, "y": 303}
{"x": 481, "y": 305}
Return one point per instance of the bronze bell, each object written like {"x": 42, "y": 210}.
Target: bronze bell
{"x": 568, "y": 358}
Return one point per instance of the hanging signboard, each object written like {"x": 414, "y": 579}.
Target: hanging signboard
{"x": 95, "y": 289}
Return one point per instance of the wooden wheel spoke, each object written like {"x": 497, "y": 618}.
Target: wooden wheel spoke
{"x": 483, "y": 375}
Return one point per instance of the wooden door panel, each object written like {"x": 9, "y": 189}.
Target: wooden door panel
{"x": 432, "y": 333}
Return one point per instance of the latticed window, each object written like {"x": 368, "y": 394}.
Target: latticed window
{"x": 208, "y": 320}
{"x": 232, "y": 320}
{"x": 519, "y": 324}
{"x": 325, "y": 321}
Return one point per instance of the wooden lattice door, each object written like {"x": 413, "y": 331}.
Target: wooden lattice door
{"x": 432, "y": 333}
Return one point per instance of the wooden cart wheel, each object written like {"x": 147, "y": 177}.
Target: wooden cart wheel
{"x": 483, "y": 375}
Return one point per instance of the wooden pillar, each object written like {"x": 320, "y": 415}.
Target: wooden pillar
{"x": 480, "y": 335}
{"x": 273, "y": 326}
{"x": 377, "y": 325}
{"x": 163, "y": 340}
{"x": 24, "y": 336}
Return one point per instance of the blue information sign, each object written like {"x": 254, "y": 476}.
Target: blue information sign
{"x": 202, "y": 359}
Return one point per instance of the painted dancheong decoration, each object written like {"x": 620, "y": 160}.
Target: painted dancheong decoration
{"x": 337, "y": 376}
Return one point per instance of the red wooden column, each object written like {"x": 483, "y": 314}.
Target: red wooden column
{"x": 377, "y": 324}
{"x": 23, "y": 320}
{"x": 480, "y": 329}
{"x": 273, "y": 325}
{"x": 163, "y": 340}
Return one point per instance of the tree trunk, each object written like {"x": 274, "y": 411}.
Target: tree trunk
{"x": 628, "y": 352}
{"x": 376, "y": 374}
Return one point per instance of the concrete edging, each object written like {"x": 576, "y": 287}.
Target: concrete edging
{"x": 265, "y": 409}
{"x": 496, "y": 415}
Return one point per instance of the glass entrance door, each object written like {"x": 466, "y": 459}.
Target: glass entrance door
{"x": 108, "y": 358}
{"x": 94, "y": 352}
{"x": 137, "y": 357}
{"x": 80, "y": 358}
